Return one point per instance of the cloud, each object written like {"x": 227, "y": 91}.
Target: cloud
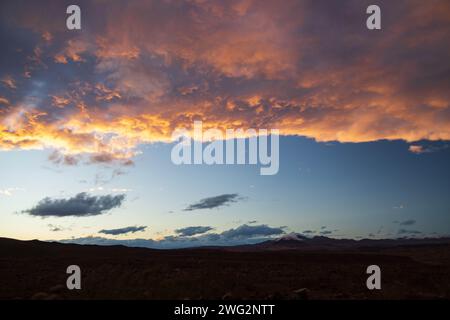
{"x": 416, "y": 149}
{"x": 9, "y": 82}
{"x": 300, "y": 75}
{"x": 10, "y": 191}
{"x": 247, "y": 231}
{"x": 123, "y": 230}
{"x": 191, "y": 231}
{"x": 4, "y": 101}
{"x": 58, "y": 158}
{"x": 214, "y": 202}
{"x": 405, "y": 231}
{"x": 428, "y": 148}
{"x": 81, "y": 205}
{"x": 408, "y": 222}
{"x": 243, "y": 234}
{"x": 55, "y": 228}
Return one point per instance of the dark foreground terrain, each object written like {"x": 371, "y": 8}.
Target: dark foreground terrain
{"x": 273, "y": 270}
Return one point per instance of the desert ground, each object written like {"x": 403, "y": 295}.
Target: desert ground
{"x": 37, "y": 270}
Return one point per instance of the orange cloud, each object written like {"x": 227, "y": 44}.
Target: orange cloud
{"x": 47, "y": 36}
{"x": 103, "y": 93}
{"x": 9, "y": 82}
{"x": 307, "y": 68}
{"x": 72, "y": 51}
{"x": 416, "y": 149}
{"x": 4, "y": 101}
{"x": 60, "y": 102}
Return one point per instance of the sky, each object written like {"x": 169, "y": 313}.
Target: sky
{"x": 87, "y": 117}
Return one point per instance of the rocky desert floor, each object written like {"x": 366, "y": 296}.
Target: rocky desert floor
{"x": 37, "y": 270}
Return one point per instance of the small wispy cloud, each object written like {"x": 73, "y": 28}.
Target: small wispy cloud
{"x": 408, "y": 222}
{"x": 419, "y": 149}
{"x": 120, "y": 190}
{"x": 56, "y": 228}
{"x": 9, "y": 82}
{"x": 9, "y": 191}
{"x": 406, "y": 231}
{"x": 214, "y": 202}
{"x": 112, "y": 190}
{"x": 416, "y": 149}
{"x": 123, "y": 230}
{"x": 4, "y": 100}
{"x": 191, "y": 231}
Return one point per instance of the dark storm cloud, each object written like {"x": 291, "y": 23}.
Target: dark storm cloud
{"x": 123, "y": 230}
{"x": 246, "y": 231}
{"x": 191, "y": 231}
{"x": 82, "y": 205}
{"x": 214, "y": 202}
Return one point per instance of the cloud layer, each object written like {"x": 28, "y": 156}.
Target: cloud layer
{"x": 194, "y": 237}
{"x": 139, "y": 70}
{"x": 81, "y": 205}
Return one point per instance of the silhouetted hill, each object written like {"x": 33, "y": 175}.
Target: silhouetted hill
{"x": 300, "y": 242}
{"x": 314, "y": 268}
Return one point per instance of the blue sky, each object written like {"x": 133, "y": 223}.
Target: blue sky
{"x": 351, "y": 189}
{"x": 87, "y": 116}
